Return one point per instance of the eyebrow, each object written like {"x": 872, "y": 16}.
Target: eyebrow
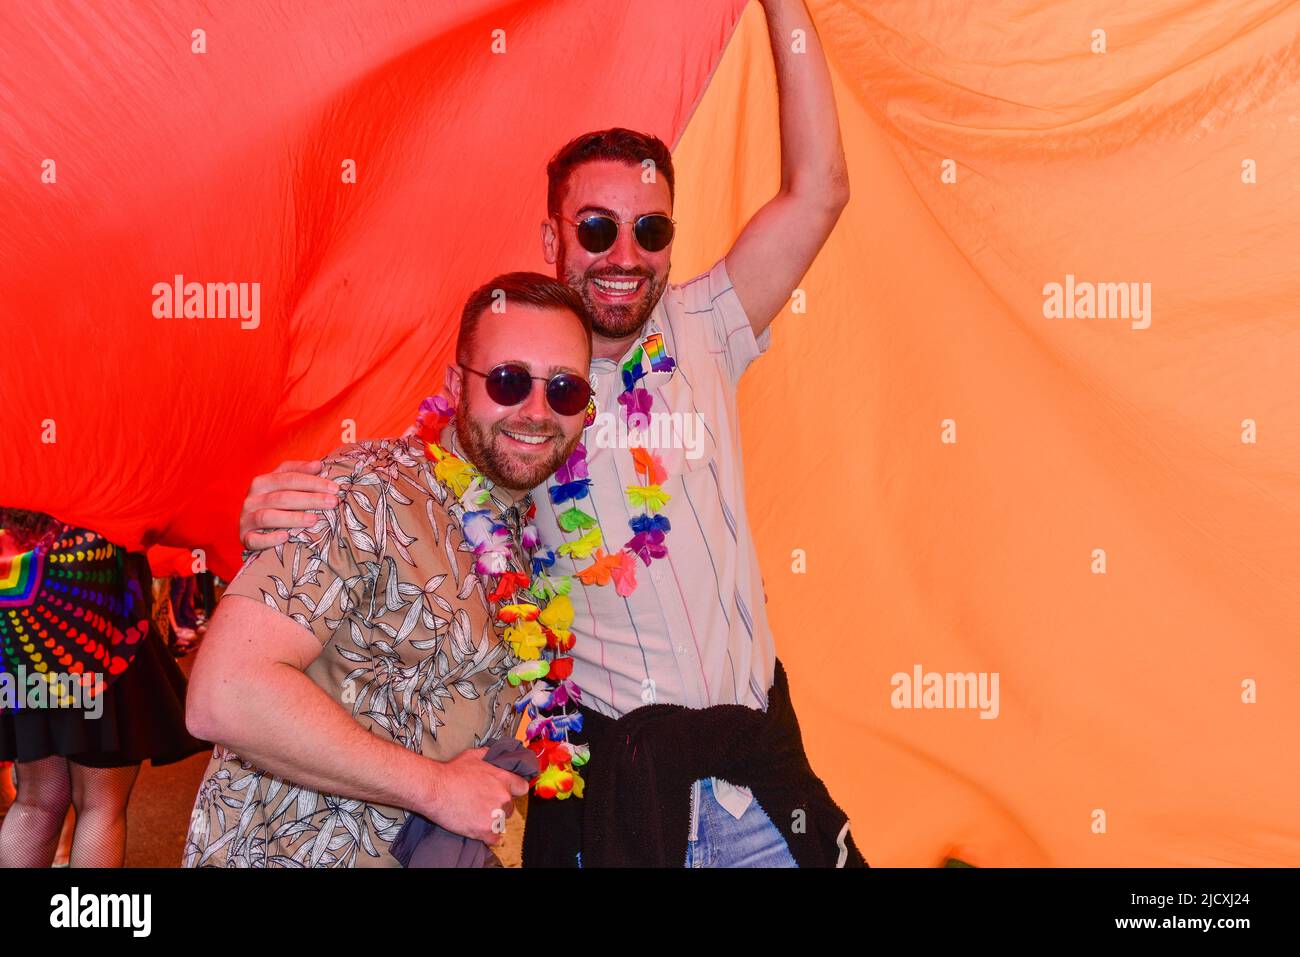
{"x": 554, "y": 370}
{"x": 610, "y": 213}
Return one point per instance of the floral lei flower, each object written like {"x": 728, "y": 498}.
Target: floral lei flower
{"x": 535, "y": 606}
{"x": 649, "y": 530}
{"x": 536, "y": 612}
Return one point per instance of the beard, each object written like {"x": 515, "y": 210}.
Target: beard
{"x": 482, "y": 447}
{"x": 614, "y": 320}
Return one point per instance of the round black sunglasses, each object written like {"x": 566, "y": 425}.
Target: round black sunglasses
{"x": 510, "y": 383}
{"x": 597, "y": 232}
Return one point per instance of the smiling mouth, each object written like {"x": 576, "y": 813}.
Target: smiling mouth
{"x": 622, "y": 288}
{"x": 524, "y": 438}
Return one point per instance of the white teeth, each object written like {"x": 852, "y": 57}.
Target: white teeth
{"x": 528, "y": 439}
{"x": 614, "y": 286}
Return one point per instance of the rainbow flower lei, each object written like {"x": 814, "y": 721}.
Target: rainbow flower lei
{"x": 535, "y": 606}
{"x": 649, "y": 529}
{"x": 537, "y": 614}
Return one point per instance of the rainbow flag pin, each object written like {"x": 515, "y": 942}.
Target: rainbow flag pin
{"x": 660, "y": 360}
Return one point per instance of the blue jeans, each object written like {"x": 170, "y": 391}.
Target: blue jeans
{"x": 751, "y": 840}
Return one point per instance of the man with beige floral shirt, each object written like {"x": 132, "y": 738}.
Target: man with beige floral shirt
{"x": 354, "y": 673}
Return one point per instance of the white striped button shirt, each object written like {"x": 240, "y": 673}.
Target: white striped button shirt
{"x": 695, "y": 631}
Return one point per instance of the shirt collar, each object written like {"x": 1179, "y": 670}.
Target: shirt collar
{"x": 655, "y": 322}
{"x": 512, "y": 516}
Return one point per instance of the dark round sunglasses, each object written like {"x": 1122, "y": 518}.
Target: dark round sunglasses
{"x": 597, "y": 232}
{"x": 510, "y": 383}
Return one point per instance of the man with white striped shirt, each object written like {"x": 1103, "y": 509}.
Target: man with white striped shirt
{"x": 694, "y": 632}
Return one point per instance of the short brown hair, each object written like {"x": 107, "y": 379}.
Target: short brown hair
{"x": 621, "y": 145}
{"x": 517, "y": 288}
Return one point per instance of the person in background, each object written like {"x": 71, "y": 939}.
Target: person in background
{"x": 207, "y": 599}
{"x": 184, "y": 601}
{"x": 80, "y": 754}
{"x": 6, "y": 787}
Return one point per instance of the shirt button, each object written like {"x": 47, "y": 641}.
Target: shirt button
{"x": 656, "y": 574}
{"x": 681, "y": 649}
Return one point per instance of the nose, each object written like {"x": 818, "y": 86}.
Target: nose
{"x": 535, "y": 408}
{"x": 625, "y": 253}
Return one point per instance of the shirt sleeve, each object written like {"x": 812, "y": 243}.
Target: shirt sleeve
{"x": 310, "y": 579}
{"x": 712, "y": 297}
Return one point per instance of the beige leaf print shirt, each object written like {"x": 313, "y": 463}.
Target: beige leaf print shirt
{"x": 408, "y": 647}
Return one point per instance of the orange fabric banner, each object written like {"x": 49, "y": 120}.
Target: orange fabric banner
{"x": 1104, "y": 512}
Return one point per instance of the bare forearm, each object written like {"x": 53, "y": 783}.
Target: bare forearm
{"x": 812, "y": 155}
{"x": 782, "y": 239}
{"x": 282, "y": 722}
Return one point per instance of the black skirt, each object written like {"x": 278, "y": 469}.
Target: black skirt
{"x": 143, "y": 719}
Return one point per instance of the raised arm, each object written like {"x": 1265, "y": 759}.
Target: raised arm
{"x": 779, "y": 243}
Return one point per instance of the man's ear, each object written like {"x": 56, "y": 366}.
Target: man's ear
{"x": 454, "y": 382}
{"x": 550, "y": 241}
